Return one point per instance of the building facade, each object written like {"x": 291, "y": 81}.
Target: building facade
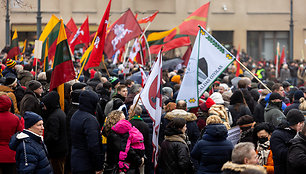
{"x": 256, "y": 25}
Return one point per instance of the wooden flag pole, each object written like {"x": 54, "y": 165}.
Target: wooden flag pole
{"x": 105, "y": 68}
{"x": 135, "y": 105}
{"x": 253, "y": 75}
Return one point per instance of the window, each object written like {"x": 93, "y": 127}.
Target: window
{"x": 224, "y": 37}
{"x": 262, "y": 44}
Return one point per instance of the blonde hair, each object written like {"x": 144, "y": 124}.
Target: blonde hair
{"x": 213, "y": 119}
{"x": 111, "y": 120}
{"x": 302, "y": 106}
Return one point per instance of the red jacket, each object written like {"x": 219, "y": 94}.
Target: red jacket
{"x": 9, "y": 125}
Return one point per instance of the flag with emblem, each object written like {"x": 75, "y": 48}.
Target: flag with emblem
{"x": 14, "y": 48}
{"x": 70, "y": 28}
{"x": 207, "y": 61}
{"x": 152, "y": 101}
{"x": 190, "y": 25}
{"x": 124, "y": 29}
{"x": 148, "y": 18}
{"x": 99, "y": 41}
{"x": 80, "y": 36}
{"x": 63, "y": 70}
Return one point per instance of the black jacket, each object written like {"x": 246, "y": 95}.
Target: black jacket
{"x": 86, "y": 154}
{"x": 236, "y": 114}
{"x": 294, "y": 105}
{"x": 213, "y": 150}
{"x": 174, "y": 155}
{"x": 279, "y": 143}
{"x": 297, "y": 155}
{"x": 55, "y": 126}
{"x": 30, "y": 102}
{"x": 259, "y": 111}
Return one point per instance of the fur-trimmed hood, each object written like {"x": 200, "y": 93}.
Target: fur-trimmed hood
{"x": 237, "y": 168}
{"x": 180, "y": 113}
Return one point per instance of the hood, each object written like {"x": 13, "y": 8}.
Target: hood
{"x": 24, "y": 73}
{"x": 263, "y": 102}
{"x": 122, "y": 127}
{"x": 88, "y": 101}
{"x": 298, "y": 139}
{"x": 171, "y": 131}
{"x": 180, "y": 113}
{"x": 75, "y": 95}
{"x": 238, "y": 168}
{"x": 270, "y": 107}
{"x": 102, "y": 91}
{"x": 51, "y": 101}
{"x": 5, "y": 103}
{"x": 17, "y": 139}
{"x": 215, "y": 131}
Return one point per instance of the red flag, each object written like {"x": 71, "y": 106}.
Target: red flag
{"x": 190, "y": 24}
{"x": 71, "y": 28}
{"x": 176, "y": 42}
{"x": 187, "y": 55}
{"x": 80, "y": 36}
{"x": 143, "y": 76}
{"x": 97, "y": 51}
{"x": 237, "y": 64}
{"x": 282, "y": 58}
{"x": 123, "y": 30}
{"x": 142, "y": 52}
{"x": 148, "y": 18}
{"x": 152, "y": 101}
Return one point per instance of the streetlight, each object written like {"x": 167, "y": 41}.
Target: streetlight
{"x": 7, "y": 24}
{"x": 38, "y": 20}
{"x": 291, "y": 32}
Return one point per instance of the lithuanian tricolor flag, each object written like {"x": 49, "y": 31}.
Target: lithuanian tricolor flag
{"x": 14, "y": 48}
{"x": 63, "y": 70}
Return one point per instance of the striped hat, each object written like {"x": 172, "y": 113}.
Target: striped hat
{"x": 10, "y": 63}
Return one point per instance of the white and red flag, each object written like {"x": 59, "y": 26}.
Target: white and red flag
{"x": 80, "y": 36}
{"x": 124, "y": 29}
{"x": 152, "y": 101}
{"x": 143, "y": 76}
{"x": 148, "y": 18}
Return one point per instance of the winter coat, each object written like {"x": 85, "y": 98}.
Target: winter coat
{"x": 274, "y": 115}
{"x": 174, "y": 156}
{"x": 259, "y": 111}
{"x": 302, "y": 74}
{"x": 267, "y": 161}
{"x": 297, "y": 155}
{"x": 12, "y": 96}
{"x": 285, "y": 75}
{"x": 31, "y": 153}
{"x": 213, "y": 150}
{"x": 294, "y": 105}
{"x": 24, "y": 77}
{"x": 279, "y": 143}
{"x": 234, "y": 168}
{"x": 145, "y": 130}
{"x": 86, "y": 153}
{"x": 55, "y": 126}
{"x": 236, "y": 114}
{"x": 9, "y": 125}
{"x": 193, "y": 132}
{"x": 30, "y": 102}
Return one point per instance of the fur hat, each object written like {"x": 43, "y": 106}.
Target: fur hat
{"x": 217, "y": 98}
{"x": 294, "y": 116}
{"x": 33, "y": 85}
{"x": 10, "y": 81}
{"x": 30, "y": 118}
{"x": 10, "y": 63}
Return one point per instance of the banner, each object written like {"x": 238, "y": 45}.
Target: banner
{"x": 207, "y": 61}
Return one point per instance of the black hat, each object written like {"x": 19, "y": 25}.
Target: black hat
{"x": 78, "y": 85}
{"x": 294, "y": 116}
{"x": 298, "y": 94}
{"x": 286, "y": 84}
{"x": 30, "y": 118}
{"x": 10, "y": 81}
{"x": 275, "y": 95}
{"x": 33, "y": 85}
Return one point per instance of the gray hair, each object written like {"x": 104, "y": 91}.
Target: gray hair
{"x": 137, "y": 111}
{"x": 135, "y": 88}
{"x": 241, "y": 151}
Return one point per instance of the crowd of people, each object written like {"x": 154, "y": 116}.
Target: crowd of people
{"x": 239, "y": 126}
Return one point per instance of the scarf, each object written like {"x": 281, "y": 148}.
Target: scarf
{"x": 263, "y": 152}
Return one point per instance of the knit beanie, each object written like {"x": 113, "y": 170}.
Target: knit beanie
{"x": 237, "y": 97}
{"x": 114, "y": 81}
{"x": 33, "y": 85}
{"x": 176, "y": 79}
{"x": 10, "y": 81}
{"x": 298, "y": 94}
{"x": 274, "y": 96}
{"x": 294, "y": 116}
{"x": 10, "y": 63}
{"x": 217, "y": 98}
{"x": 205, "y": 106}
{"x": 30, "y": 118}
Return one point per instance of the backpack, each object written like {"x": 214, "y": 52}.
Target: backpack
{"x": 135, "y": 141}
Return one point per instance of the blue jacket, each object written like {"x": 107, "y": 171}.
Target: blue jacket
{"x": 213, "y": 150}
{"x": 86, "y": 140}
{"x": 31, "y": 153}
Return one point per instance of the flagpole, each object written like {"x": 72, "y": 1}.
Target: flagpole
{"x": 143, "y": 33}
{"x": 276, "y": 63}
{"x": 148, "y": 50}
{"x": 105, "y": 68}
{"x": 253, "y": 75}
{"x": 82, "y": 68}
{"x": 125, "y": 54}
